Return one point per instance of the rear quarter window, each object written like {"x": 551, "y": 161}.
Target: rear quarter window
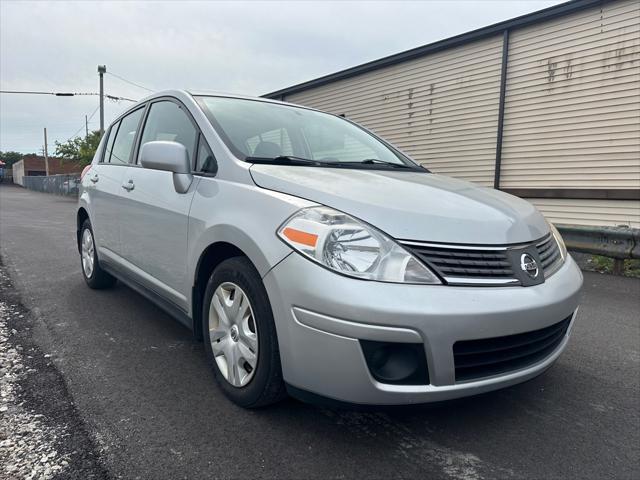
{"x": 111, "y": 135}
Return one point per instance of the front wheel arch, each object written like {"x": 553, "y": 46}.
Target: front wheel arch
{"x": 210, "y": 258}
{"x": 265, "y": 384}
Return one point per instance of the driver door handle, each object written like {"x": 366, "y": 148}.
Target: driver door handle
{"x": 128, "y": 186}
{"x": 95, "y": 178}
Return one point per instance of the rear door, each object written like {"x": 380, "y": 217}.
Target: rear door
{"x": 155, "y": 222}
{"x": 105, "y": 182}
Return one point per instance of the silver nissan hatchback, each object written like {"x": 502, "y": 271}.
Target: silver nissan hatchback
{"x": 316, "y": 259}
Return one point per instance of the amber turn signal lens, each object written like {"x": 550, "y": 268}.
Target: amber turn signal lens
{"x": 298, "y": 236}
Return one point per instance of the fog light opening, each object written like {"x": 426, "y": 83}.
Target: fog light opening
{"x": 396, "y": 363}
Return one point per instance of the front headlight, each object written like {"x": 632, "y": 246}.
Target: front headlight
{"x": 558, "y": 238}
{"x": 351, "y": 247}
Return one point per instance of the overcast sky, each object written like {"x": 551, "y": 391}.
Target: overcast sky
{"x": 250, "y": 48}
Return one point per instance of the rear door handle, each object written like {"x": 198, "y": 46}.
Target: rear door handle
{"x": 128, "y": 186}
{"x": 95, "y": 178}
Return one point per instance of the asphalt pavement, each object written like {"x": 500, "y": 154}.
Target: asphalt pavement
{"x": 143, "y": 392}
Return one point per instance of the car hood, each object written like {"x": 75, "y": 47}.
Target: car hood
{"x": 412, "y": 205}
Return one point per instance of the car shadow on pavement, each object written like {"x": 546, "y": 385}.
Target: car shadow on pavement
{"x": 156, "y": 375}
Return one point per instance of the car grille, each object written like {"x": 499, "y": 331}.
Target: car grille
{"x": 499, "y": 265}
{"x": 466, "y": 263}
{"x": 476, "y": 359}
{"x": 549, "y": 254}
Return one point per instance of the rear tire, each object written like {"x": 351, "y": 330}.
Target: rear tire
{"x": 240, "y": 335}
{"x": 92, "y": 272}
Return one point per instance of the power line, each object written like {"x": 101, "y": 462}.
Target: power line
{"x": 68, "y": 94}
{"x": 83, "y": 126}
{"x": 94, "y": 112}
{"x": 112, "y": 97}
{"x": 73, "y": 94}
{"x": 129, "y": 81}
{"x": 75, "y": 134}
{"x": 57, "y": 94}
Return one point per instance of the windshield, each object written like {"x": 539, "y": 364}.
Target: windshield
{"x": 261, "y": 131}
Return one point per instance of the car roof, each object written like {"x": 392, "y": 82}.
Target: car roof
{"x": 189, "y": 94}
{"x": 194, "y": 93}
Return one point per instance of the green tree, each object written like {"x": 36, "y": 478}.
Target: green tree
{"x": 10, "y": 158}
{"x": 79, "y": 149}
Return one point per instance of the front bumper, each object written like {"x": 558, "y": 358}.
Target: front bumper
{"x": 321, "y": 316}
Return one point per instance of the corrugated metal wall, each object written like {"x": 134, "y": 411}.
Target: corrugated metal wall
{"x": 572, "y": 111}
{"x": 441, "y": 109}
{"x": 610, "y": 213}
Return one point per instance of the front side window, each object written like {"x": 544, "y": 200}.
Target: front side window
{"x": 125, "y": 137}
{"x": 262, "y": 130}
{"x": 167, "y": 121}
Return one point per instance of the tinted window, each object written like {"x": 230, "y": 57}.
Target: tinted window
{"x": 328, "y": 143}
{"x": 167, "y": 121}
{"x": 111, "y": 137}
{"x": 205, "y": 162}
{"x": 276, "y": 141}
{"x": 125, "y": 137}
{"x": 267, "y": 130}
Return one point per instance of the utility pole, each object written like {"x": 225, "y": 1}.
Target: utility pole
{"x": 46, "y": 153}
{"x": 86, "y": 127}
{"x": 102, "y": 69}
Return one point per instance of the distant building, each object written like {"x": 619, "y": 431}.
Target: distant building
{"x": 34, "y": 166}
{"x": 545, "y": 106}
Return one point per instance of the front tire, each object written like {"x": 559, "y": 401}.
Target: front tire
{"x": 92, "y": 272}
{"x": 240, "y": 336}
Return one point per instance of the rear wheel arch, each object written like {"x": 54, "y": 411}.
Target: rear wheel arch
{"x": 81, "y": 216}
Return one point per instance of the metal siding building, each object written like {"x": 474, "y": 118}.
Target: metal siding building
{"x": 544, "y": 106}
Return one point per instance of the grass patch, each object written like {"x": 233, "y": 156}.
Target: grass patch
{"x": 602, "y": 264}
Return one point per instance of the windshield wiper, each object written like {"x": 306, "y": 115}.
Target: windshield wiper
{"x": 300, "y": 161}
{"x": 376, "y": 161}
{"x": 285, "y": 160}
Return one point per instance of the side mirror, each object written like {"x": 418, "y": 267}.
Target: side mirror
{"x": 170, "y": 157}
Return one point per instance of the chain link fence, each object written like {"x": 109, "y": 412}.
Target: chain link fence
{"x": 56, "y": 184}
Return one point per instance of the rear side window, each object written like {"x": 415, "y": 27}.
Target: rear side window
{"x": 167, "y": 121}
{"x": 125, "y": 138}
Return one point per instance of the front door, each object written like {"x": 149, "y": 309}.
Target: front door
{"x": 155, "y": 224}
